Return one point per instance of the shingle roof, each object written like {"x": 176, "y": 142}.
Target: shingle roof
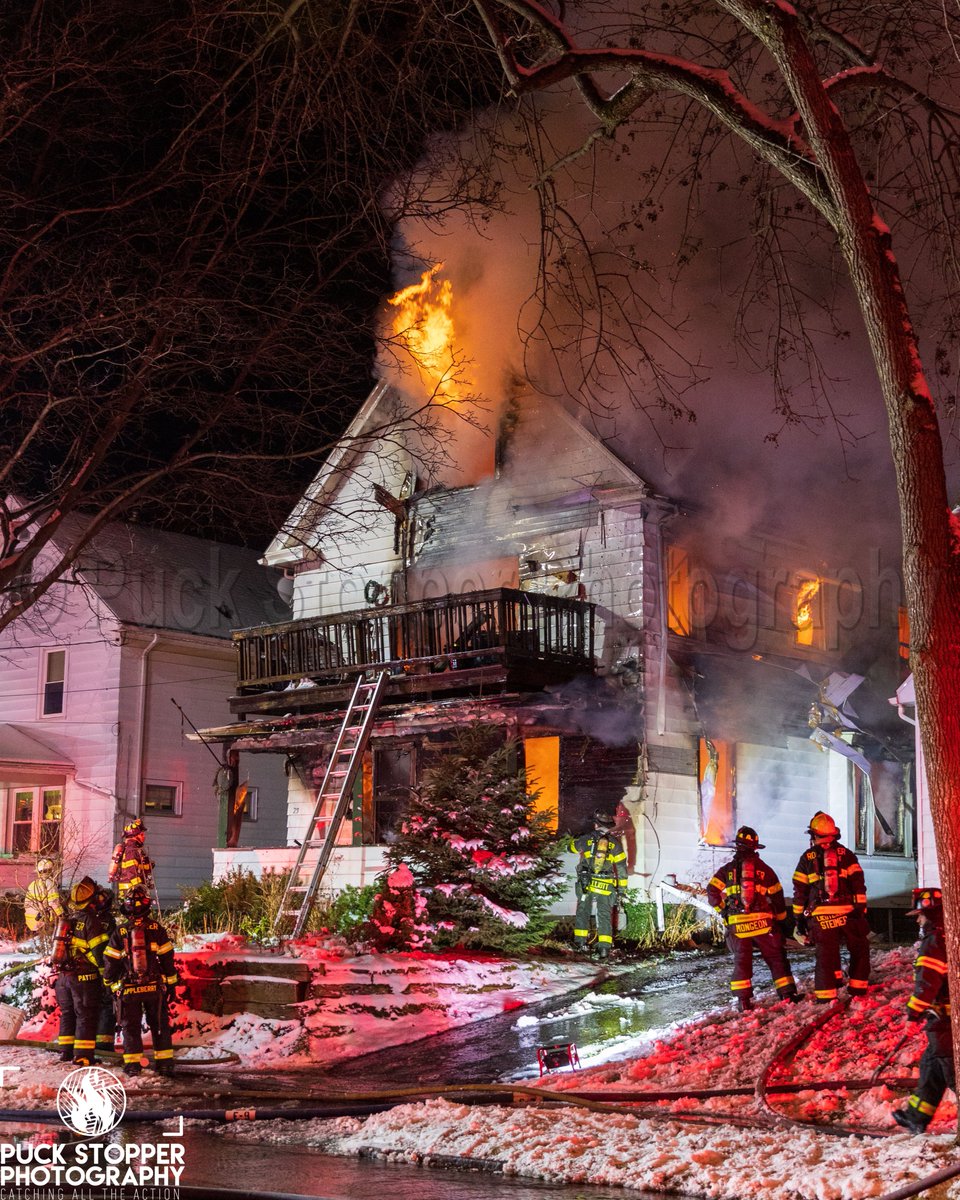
{"x": 160, "y": 580}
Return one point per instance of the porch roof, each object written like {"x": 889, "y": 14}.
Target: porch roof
{"x": 18, "y": 748}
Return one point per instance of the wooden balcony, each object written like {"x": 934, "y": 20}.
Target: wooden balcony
{"x": 501, "y": 638}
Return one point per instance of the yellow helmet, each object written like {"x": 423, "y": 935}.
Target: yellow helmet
{"x": 823, "y": 825}
{"x": 45, "y": 866}
{"x": 83, "y": 892}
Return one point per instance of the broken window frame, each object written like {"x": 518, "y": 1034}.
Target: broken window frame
{"x": 866, "y": 819}
{"x": 717, "y": 813}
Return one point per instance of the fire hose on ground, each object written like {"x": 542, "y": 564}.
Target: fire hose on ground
{"x": 624, "y": 1102}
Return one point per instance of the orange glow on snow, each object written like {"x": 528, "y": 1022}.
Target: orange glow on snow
{"x": 424, "y": 324}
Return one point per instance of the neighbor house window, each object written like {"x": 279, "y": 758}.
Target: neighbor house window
{"x": 678, "y": 591}
{"x": 881, "y": 806}
{"x": 718, "y": 817}
{"x": 36, "y": 819}
{"x": 161, "y": 799}
{"x": 54, "y": 675}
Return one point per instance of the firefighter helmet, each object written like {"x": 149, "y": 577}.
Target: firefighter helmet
{"x": 83, "y": 892}
{"x": 926, "y": 902}
{"x": 136, "y": 903}
{"x": 135, "y": 828}
{"x": 602, "y": 820}
{"x": 748, "y": 839}
{"x": 45, "y": 866}
{"x": 823, "y": 826}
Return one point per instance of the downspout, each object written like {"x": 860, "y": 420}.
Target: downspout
{"x": 920, "y": 796}
{"x": 141, "y": 733}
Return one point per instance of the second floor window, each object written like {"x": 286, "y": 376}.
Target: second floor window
{"x": 678, "y": 591}
{"x": 54, "y": 678}
{"x": 807, "y": 611}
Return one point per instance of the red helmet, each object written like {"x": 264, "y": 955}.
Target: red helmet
{"x": 927, "y": 902}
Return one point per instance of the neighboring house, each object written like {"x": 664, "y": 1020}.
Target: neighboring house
{"x": 90, "y": 731}
{"x": 561, "y": 599}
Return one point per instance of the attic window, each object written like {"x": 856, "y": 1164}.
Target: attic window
{"x": 54, "y": 677}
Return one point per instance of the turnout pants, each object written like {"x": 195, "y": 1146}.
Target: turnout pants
{"x": 136, "y": 1002}
{"x": 106, "y": 1021}
{"x": 78, "y": 996}
{"x": 936, "y": 1070}
{"x": 830, "y": 934}
{"x": 581, "y": 922}
{"x": 770, "y": 946}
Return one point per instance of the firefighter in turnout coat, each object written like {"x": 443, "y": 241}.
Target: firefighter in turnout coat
{"x": 830, "y": 908}
{"x": 601, "y": 879}
{"x": 78, "y": 951}
{"x": 748, "y": 896}
{"x": 42, "y": 906}
{"x": 930, "y": 1002}
{"x": 130, "y": 865}
{"x": 138, "y": 965}
{"x": 102, "y": 905}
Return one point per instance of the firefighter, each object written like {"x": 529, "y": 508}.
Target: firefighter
{"x": 42, "y": 906}
{"x": 930, "y": 1002}
{"x": 77, "y": 960}
{"x": 102, "y": 905}
{"x": 130, "y": 866}
{"x": 830, "y": 910}
{"x": 601, "y": 878}
{"x": 138, "y": 965}
{"x": 748, "y": 896}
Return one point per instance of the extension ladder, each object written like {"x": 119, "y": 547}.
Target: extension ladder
{"x": 304, "y": 882}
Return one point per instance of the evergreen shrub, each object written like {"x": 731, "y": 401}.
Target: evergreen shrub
{"x": 487, "y": 863}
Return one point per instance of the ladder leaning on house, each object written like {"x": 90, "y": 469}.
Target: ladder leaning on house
{"x": 304, "y": 882}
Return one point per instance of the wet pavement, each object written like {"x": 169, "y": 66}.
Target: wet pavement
{"x": 596, "y": 1018}
{"x": 607, "y": 1017}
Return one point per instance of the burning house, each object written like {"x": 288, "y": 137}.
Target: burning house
{"x": 699, "y": 685}
{"x": 640, "y": 657}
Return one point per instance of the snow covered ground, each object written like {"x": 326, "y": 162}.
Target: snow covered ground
{"x": 657, "y": 1149}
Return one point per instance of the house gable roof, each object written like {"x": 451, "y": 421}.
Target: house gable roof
{"x": 294, "y": 539}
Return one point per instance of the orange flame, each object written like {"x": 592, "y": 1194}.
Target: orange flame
{"x": 806, "y": 599}
{"x": 425, "y": 326}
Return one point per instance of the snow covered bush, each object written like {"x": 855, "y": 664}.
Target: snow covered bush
{"x": 396, "y": 922}
{"x": 484, "y": 858}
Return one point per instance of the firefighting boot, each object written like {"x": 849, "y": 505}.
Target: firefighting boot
{"x": 910, "y": 1119}
{"x": 164, "y": 1066}
{"x": 745, "y": 1003}
{"x": 131, "y": 1068}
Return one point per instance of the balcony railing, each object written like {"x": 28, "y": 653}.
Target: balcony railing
{"x": 447, "y": 633}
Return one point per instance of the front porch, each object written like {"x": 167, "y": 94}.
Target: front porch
{"x": 504, "y": 638}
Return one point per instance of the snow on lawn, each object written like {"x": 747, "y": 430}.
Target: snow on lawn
{"x": 369, "y": 1001}
{"x": 721, "y": 1050}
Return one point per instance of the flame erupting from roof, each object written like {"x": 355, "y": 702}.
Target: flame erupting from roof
{"x": 423, "y": 323}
